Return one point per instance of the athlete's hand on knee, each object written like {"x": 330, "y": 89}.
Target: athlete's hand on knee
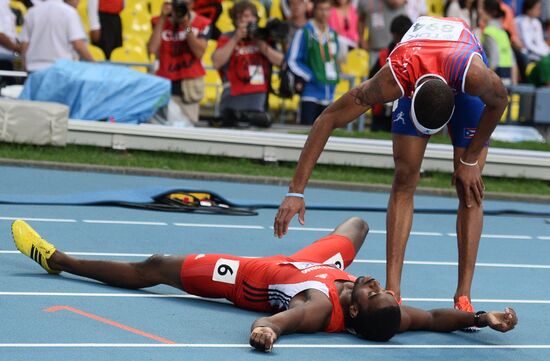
{"x": 469, "y": 177}
{"x": 262, "y": 338}
{"x": 287, "y": 210}
{"x": 502, "y": 321}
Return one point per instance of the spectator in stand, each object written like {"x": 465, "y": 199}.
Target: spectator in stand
{"x": 179, "y": 39}
{"x": 343, "y": 19}
{"x": 496, "y": 43}
{"x": 110, "y": 36}
{"x": 376, "y": 16}
{"x": 463, "y": 9}
{"x": 531, "y": 33}
{"x": 244, "y": 63}
{"x": 8, "y": 43}
{"x": 313, "y": 57}
{"x": 52, "y": 31}
{"x": 530, "y": 30}
{"x": 416, "y": 8}
{"x": 381, "y": 113}
{"x": 297, "y": 19}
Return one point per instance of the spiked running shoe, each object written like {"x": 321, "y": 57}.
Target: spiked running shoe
{"x": 32, "y": 245}
{"x": 464, "y": 304}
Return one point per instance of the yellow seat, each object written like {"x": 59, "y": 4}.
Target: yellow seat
{"x": 136, "y": 20}
{"x": 342, "y": 87}
{"x": 357, "y": 64}
{"x": 212, "y": 88}
{"x": 224, "y": 22}
{"x": 155, "y": 6}
{"x": 131, "y": 55}
{"x": 96, "y": 52}
{"x": 275, "y": 11}
{"x": 18, "y": 7}
{"x": 207, "y": 57}
{"x": 435, "y": 7}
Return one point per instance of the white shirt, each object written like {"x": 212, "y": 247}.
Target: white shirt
{"x": 7, "y": 25}
{"x": 49, "y": 29}
{"x": 416, "y": 8}
{"x": 93, "y": 15}
{"x": 530, "y": 32}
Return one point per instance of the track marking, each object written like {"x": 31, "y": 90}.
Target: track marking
{"x": 156, "y": 295}
{"x": 60, "y": 220}
{"x": 544, "y": 238}
{"x": 205, "y": 225}
{"x": 100, "y": 221}
{"x": 499, "y": 236}
{"x": 109, "y": 322}
{"x": 276, "y": 346}
{"x": 371, "y": 261}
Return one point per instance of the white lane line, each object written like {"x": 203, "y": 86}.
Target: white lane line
{"x": 205, "y": 225}
{"x": 544, "y": 238}
{"x": 245, "y": 345}
{"x": 88, "y": 294}
{"x": 100, "y": 221}
{"x": 156, "y": 295}
{"x": 371, "y": 261}
{"x": 413, "y": 233}
{"x": 39, "y": 219}
{"x": 478, "y": 264}
{"x": 498, "y": 236}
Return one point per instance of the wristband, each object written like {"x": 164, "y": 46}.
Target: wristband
{"x": 297, "y": 195}
{"x": 468, "y": 164}
{"x": 477, "y": 318}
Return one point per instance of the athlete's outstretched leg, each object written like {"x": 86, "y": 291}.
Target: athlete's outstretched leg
{"x": 155, "y": 270}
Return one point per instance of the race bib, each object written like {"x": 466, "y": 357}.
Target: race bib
{"x": 226, "y": 271}
{"x": 256, "y": 73}
{"x": 427, "y": 28}
{"x": 330, "y": 71}
{"x": 336, "y": 260}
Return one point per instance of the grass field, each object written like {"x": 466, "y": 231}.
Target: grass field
{"x": 214, "y": 164}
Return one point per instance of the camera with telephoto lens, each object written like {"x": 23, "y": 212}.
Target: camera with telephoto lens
{"x": 274, "y": 30}
{"x": 179, "y": 9}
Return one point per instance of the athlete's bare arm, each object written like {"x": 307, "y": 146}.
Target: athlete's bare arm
{"x": 483, "y": 82}
{"x": 308, "y": 312}
{"x": 381, "y": 88}
{"x": 448, "y": 320}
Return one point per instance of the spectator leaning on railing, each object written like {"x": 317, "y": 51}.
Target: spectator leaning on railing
{"x": 313, "y": 57}
{"x": 179, "y": 39}
{"x": 244, "y": 63}
{"x": 52, "y": 31}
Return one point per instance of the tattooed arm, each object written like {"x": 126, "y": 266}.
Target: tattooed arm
{"x": 381, "y": 88}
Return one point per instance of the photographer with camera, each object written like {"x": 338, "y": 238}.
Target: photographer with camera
{"x": 314, "y": 56}
{"x": 179, "y": 39}
{"x": 244, "y": 58}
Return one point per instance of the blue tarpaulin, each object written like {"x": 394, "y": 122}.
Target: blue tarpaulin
{"x": 99, "y": 91}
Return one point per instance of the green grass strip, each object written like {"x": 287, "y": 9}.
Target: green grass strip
{"x": 217, "y": 164}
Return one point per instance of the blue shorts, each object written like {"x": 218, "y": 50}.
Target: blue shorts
{"x": 462, "y": 126}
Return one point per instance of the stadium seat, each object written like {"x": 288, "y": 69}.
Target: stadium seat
{"x": 213, "y": 89}
{"x": 224, "y": 22}
{"x": 275, "y": 11}
{"x": 125, "y": 54}
{"x": 20, "y": 11}
{"x": 435, "y": 7}
{"x": 96, "y": 52}
{"x": 136, "y": 20}
{"x": 342, "y": 87}
{"x": 357, "y": 64}
{"x": 207, "y": 57}
{"x": 155, "y": 7}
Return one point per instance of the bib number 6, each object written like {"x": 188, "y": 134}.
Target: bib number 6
{"x": 225, "y": 271}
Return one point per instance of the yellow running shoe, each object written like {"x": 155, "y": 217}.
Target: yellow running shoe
{"x": 32, "y": 245}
